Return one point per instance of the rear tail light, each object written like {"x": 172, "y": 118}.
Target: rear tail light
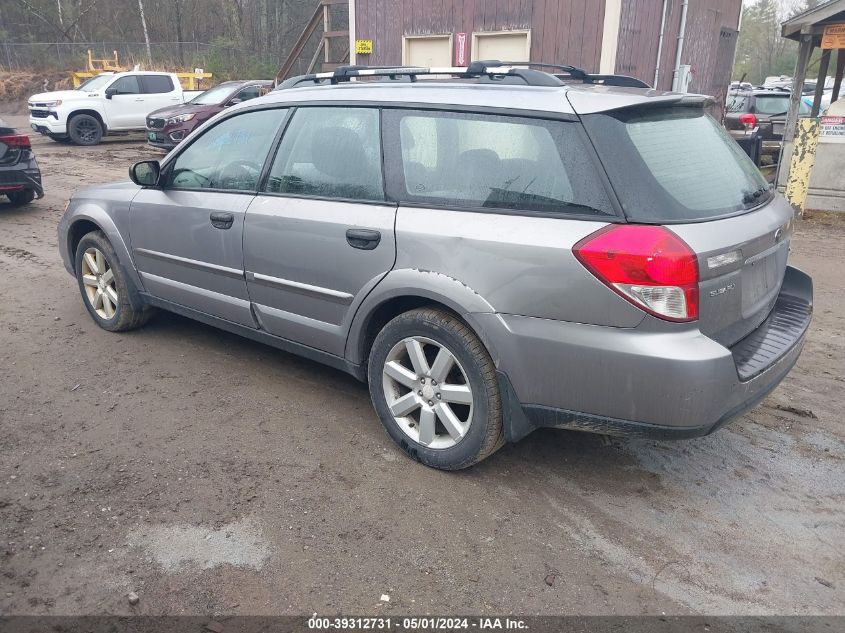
{"x": 16, "y": 141}
{"x": 649, "y": 266}
{"x": 748, "y": 119}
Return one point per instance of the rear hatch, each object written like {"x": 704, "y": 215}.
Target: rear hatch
{"x": 675, "y": 166}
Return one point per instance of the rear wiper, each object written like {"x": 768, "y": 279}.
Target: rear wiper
{"x": 750, "y": 197}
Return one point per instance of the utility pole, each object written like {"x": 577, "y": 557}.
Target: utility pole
{"x": 146, "y": 34}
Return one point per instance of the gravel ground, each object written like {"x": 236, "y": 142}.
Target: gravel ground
{"x": 212, "y": 475}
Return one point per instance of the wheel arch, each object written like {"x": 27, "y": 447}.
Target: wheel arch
{"x": 94, "y": 113}
{"x": 406, "y": 290}
{"x": 90, "y": 218}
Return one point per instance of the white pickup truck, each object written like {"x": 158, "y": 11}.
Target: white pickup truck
{"x": 106, "y": 103}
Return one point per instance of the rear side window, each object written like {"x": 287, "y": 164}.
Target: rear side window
{"x": 737, "y": 103}
{"x": 675, "y": 165}
{"x": 330, "y": 152}
{"x": 156, "y": 84}
{"x": 494, "y": 162}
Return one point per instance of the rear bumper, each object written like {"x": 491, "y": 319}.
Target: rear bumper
{"x": 640, "y": 382}
{"x": 24, "y": 175}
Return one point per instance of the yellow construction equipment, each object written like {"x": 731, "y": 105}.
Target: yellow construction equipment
{"x": 189, "y": 81}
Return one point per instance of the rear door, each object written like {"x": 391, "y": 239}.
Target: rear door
{"x": 187, "y": 236}
{"x": 676, "y": 166}
{"x": 320, "y": 235}
{"x": 159, "y": 92}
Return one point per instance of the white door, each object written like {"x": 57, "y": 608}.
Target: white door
{"x": 126, "y": 105}
{"x": 507, "y": 46}
{"x": 428, "y": 51}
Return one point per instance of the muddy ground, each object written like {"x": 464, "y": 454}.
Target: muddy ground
{"x": 213, "y": 475}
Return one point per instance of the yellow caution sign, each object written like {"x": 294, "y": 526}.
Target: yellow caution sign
{"x": 363, "y": 47}
{"x": 834, "y": 36}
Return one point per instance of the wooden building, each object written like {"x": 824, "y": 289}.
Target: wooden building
{"x": 609, "y": 36}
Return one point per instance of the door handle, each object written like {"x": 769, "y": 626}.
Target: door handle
{"x": 221, "y": 220}
{"x": 364, "y": 239}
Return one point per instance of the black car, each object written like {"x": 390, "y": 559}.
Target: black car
{"x": 762, "y": 109}
{"x": 20, "y": 178}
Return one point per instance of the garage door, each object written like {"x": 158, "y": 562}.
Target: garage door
{"x": 511, "y": 46}
{"x": 428, "y": 51}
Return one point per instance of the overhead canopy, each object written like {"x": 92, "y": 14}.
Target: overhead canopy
{"x": 813, "y": 21}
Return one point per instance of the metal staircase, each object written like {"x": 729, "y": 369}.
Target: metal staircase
{"x": 333, "y": 46}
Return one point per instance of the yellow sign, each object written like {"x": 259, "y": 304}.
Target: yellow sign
{"x": 834, "y": 36}
{"x": 363, "y": 47}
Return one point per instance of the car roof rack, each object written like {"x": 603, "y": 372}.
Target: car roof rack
{"x": 485, "y": 69}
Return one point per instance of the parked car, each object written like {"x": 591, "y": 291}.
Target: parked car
{"x": 492, "y": 255}
{"x": 167, "y": 127}
{"x": 20, "y": 177}
{"x": 760, "y": 108}
{"x": 106, "y": 103}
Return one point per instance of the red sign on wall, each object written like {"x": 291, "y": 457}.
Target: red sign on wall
{"x": 461, "y": 49}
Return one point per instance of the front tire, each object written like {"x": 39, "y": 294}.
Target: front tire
{"x": 434, "y": 387}
{"x": 104, "y": 287}
{"x": 84, "y": 129}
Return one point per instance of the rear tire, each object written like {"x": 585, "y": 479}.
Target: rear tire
{"x": 104, "y": 286}
{"x": 434, "y": 387}
{"x": 84, "y": 129}
{"x": 22, "y": 197}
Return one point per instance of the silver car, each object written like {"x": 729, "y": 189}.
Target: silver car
{"x": 496, "y": 252}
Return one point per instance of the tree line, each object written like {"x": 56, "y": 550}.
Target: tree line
{"x": 262, "y": 31}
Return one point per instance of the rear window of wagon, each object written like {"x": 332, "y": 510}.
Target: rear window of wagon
{"x": 675, "y": 164}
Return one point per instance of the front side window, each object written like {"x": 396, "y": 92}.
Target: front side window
{"x": 248, "y": 93}
{"x": 497, "y": 162}
{"x": 126, "y": 86}
{"x": 157, "y": 84}
{"x": 228, "y": 156}
{"x": 330, "y": 152}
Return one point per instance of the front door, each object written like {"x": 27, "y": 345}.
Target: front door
{"x": 187, "y": 235}
{"x": 320, "y": 235}
{"x": 127, "y": 105}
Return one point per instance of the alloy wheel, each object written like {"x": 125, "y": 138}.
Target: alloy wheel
{"x": 86, "y": 129}
{"x": 99, "y": 283}
{"x": 428, "y": 392}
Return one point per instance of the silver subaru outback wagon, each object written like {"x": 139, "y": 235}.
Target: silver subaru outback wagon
{"x": 494, "y": 252}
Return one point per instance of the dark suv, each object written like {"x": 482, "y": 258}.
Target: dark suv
{"x": 166, "y": 127}
{"x": 760, "y": 108}
{"x": 20, "y": 178}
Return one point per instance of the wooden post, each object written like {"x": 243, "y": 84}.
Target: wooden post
{"x": 837, "y": 80}
{"x": 824, "y": 64}
{"x": 805, "y": 49}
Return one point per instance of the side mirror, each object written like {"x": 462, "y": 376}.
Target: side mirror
{"x": 233, "y": 101}
{"x": 110, "y": 92}
{"x": 145, "y": 173}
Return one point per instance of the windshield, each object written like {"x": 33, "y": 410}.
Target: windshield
{"x": 675, "y": 165}
{"x": 213, "y": 96}
{"x": 95, "y": 83}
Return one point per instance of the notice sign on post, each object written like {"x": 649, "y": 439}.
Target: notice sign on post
{"x": 832, "y": 129}
{"x": 363, "y": 47}
{"x": 834, "y": 36}
{"x": 461, "y": 49}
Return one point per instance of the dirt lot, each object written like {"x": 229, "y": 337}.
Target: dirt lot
{"x": 213, "y": 475}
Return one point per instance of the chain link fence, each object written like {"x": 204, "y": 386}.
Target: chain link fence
{"x": 219, "y": 58}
